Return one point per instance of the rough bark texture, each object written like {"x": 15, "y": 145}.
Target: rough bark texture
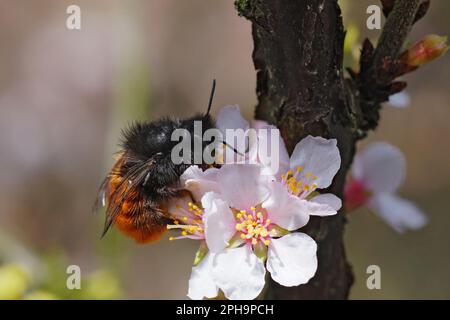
{"x": 298, "y": 54}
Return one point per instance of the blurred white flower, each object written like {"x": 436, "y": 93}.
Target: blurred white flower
{"x": 376, "y": 175}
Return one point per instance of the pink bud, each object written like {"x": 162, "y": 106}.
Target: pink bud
{"x": 356, "y": 194}
{"x": 426, "y": 50}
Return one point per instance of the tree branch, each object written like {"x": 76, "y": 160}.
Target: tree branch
{"x": 380, "y": 67}
{"x": 298, "y": 56}
{"x": 397, "y": 27}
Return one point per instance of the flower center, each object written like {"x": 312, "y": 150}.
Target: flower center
{"x": 355, "y": 194}
{"x": 298, "y": 182}
{"x": 253, "y": 225}
{"x": 191, "y": 225}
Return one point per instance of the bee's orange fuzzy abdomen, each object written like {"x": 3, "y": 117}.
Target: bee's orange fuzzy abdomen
{"x": 150, "y": 233}
{"x": 133, "y": 219}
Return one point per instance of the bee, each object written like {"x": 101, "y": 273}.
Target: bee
{"x": 144, "y": 177}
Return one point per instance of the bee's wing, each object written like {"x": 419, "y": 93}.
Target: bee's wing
{"x": 128, "y": 186}
{"x": 100, "y": 202}
{"x": 103, "y": 191}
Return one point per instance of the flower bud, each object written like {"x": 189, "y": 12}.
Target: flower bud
{"x": 426, "y": 50}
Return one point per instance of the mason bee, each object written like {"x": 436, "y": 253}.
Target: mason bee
{"x": 144, "y": 177}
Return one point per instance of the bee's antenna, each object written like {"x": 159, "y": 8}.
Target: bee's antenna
{"x": 235, "y": 150}
{"x": 211, "y": 96}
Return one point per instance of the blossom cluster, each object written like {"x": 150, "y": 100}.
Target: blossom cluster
{"x": 246, "y": 216}
{"x": 247, "y": 212}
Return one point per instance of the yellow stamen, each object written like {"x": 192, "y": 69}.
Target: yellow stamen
{"x": 266, "y": 242}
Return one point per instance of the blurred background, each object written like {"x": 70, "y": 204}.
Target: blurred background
{"x": 66, "y": 94}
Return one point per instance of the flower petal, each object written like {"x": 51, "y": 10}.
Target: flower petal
{"x": 397, "y": 212}
{"x": 229, "y": 120}
{"x": 258, "y": 124}
{"x": 292, "y": 259}
{"x": 219, "y": 222}
{"x": 326, "y": 204}
{"x": 198, "y": 182}
{"x": 400, "y": 100}
{"x": 381, "y": 167}
{"x": 285, "y": 209}
{"x": 201, "y": 282}
{"x": 242, "y": 185}
{"x": 319, "y": 156}
{"x": 239, "y": 273}
{"x": 229, "y": 117}
{"x": 273, "y": 156}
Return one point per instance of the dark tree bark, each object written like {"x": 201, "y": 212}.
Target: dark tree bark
{"x": 298, "y": 54}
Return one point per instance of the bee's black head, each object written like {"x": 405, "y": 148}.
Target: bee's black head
{"x": 144, "y": 140}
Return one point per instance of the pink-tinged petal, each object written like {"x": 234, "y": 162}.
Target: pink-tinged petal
{"x": 273, "y": 156}
{"x": 229, "y": 117}
{"x": 285, "y": 209}
{"x": 219, "y": 222}
{"x": 242, "y": 185}
{"x": 201, "y": 283}
{"x": 258, "y": 124}
{"x": 398, "y": 213}
{"x": 233, "y": 126}
{"x": 292, "y": 259}
{"x": 198, "y": 182}
{"x": 318, "y": 156}
{"x": 239, "y": 273}
{"x": 327, "y": 204}
{"x": 381, "y": 167}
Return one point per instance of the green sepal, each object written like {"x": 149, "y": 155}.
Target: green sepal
{"x": 235, "y": 241}
{"x": 260, "y": 250}
{"x": 277, "y": 231}
{"x": 201, "y": 253}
